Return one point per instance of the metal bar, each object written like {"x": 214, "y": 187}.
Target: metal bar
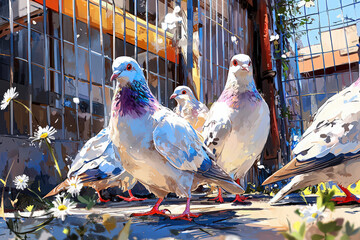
{"x": 114, "y": 34}
{"x": 76, "y": 67}
{"x": 189, "y": 52}
{"x": 166, "y": 63}
{"x": 147, "y": 38}
{"x": 200, "y": 60}
{"x": 217, "y": 50}
{"x": 157, "y": 51}
{"x": 347, "y": 46}
{"x": 29, "y": 65}
{"x": 90, "y": 66}
{"x": 205, "y": 53}
{"x": 211, "y": 55}
{"x": 136, "y": 36}
{"x": 124, "y": 17}
{"x": 177, "y": 3}
{"x": 223, "y": 45}
{"x": 11, "y": 20}
{"x": 62, "y": 70}
{"x": 46, "y": 65}
{"x": 331, "y": 41}
{"x": 106, "y": 117}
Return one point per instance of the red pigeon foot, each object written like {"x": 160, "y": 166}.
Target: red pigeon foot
{"x": 348, "y": 198}
{"x": 239, "y": 199}
{"x": 186, "y": 215}
{"x": 131, "y": 197}
{"x": 154, "y": 211}
{"x": 219, "y": 198}
{"x": 100, "y": 199}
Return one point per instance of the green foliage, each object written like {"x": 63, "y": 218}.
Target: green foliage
{"x": 295, "y": 235}
{"x": 88, "y": 201}
{"x": 324, "y": 199}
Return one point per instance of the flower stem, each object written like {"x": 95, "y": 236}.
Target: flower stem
{"x": 26, "y": 107}
{"x": 36, "y": 194}
{"x": 53, "y": 155}
{"x": 2, "y": 210}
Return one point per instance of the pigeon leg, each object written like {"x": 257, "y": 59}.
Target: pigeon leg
{"x": 100, "y": 199}
{"x": 131, "y": 197}
{"x": 154, "y": 211}
{"x": 238, "y": 198}
{"x": 186, "y": 215}
{"x": 348, "y": 198}
{"x": 219, "y": 198}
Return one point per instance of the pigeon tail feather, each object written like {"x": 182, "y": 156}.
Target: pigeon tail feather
{"x": 299, "y": 181}
{"x": 222, "y": 179}
{"x": 62, "y": 186}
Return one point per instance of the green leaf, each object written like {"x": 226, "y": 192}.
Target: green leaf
{"x": 345, "y": 237}
{"x": 82, "y": 200}
{"x": 288, "y": 236}
{"x": 302, "y": 230}
{"x": 328, "y": 227}
{"x": 317, "y": 237}
{"x": 329, "y": 237}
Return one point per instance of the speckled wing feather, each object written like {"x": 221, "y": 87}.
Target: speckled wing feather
{"x": 333, "y": 137}
{"x": 177, "y": 141}
{"x": 216, "y": 128}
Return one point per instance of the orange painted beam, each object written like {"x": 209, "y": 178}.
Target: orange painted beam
{"x": 107, "y": 20}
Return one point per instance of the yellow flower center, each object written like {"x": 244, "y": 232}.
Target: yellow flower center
{"x": 44, "y": 135}
{"x": 62, "y": 207}
{"x": 314, "y": 215}
{"x": 73, "y": 185}
{"x": 21, "y": 180}
{"x": 8, "y": 100}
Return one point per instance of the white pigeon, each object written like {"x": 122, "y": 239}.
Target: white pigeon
{"x": 98, "y": 165}
{"x": 238, "y": 124}
{"x": 329, "y": 149}
{"x": 158, "y": 147}
{"x": 189, "y": 108}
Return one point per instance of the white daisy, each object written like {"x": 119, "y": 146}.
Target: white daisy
{"x": 9, "y": 95}
{"x": 75, "y": 186}
{"x": 76, "y": 100}
{"x": 307, "y": 4}
{"x": 21, "y": 181}
{"x": 62, "y": 207}
{"x": 44, "y": 134}
{"x": 274, "y": 37}
{"x": 311, "y": 213}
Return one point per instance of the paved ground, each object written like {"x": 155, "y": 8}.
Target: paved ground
{"x": 255, "y": 220}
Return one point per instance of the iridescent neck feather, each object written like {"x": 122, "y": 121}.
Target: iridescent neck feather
{"x": 134, "y": 100}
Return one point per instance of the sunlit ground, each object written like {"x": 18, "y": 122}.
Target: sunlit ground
{"x": 254, "y": 220}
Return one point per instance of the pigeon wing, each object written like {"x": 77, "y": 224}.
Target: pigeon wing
{"x": 216, "y": 129}
{"x": 333, "y": 137}
{"x": 178, "y": 142}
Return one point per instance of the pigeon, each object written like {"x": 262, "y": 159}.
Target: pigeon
{"x": 98, "y": 165}
{"x": 157, "y": 147}
{"x": 329, "y": 149}
{"x": 188, "y": 107}
{"x": 238, "y": 123}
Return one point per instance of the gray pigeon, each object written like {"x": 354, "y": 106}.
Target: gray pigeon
{"x": 98, "y": 165}
{"x": 158, "y": 147}
{"x": 238, "y": 124}
{"x": 188, "y": 107}
{"x": 329, "y": 149}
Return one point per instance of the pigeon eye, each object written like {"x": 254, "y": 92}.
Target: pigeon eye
{"x": 235, "y": 63}
{"x": 249, "y": 63}
{"x": 128, "y": 67}
{"x": 183, "y": 92}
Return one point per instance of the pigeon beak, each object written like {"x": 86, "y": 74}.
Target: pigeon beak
{"x": 173, "y": 96}
{"x": 245, "y": 67}
{"x": 114, "y": 76}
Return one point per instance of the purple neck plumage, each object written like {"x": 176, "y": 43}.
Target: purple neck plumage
{"x": 234, "y": 98}
{"x": 134, "y": 100}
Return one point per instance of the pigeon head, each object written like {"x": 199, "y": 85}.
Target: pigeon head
{"x": 182, "y": 93}
{"x": 126, "y": 70}
{"x": 241, "y": 65}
